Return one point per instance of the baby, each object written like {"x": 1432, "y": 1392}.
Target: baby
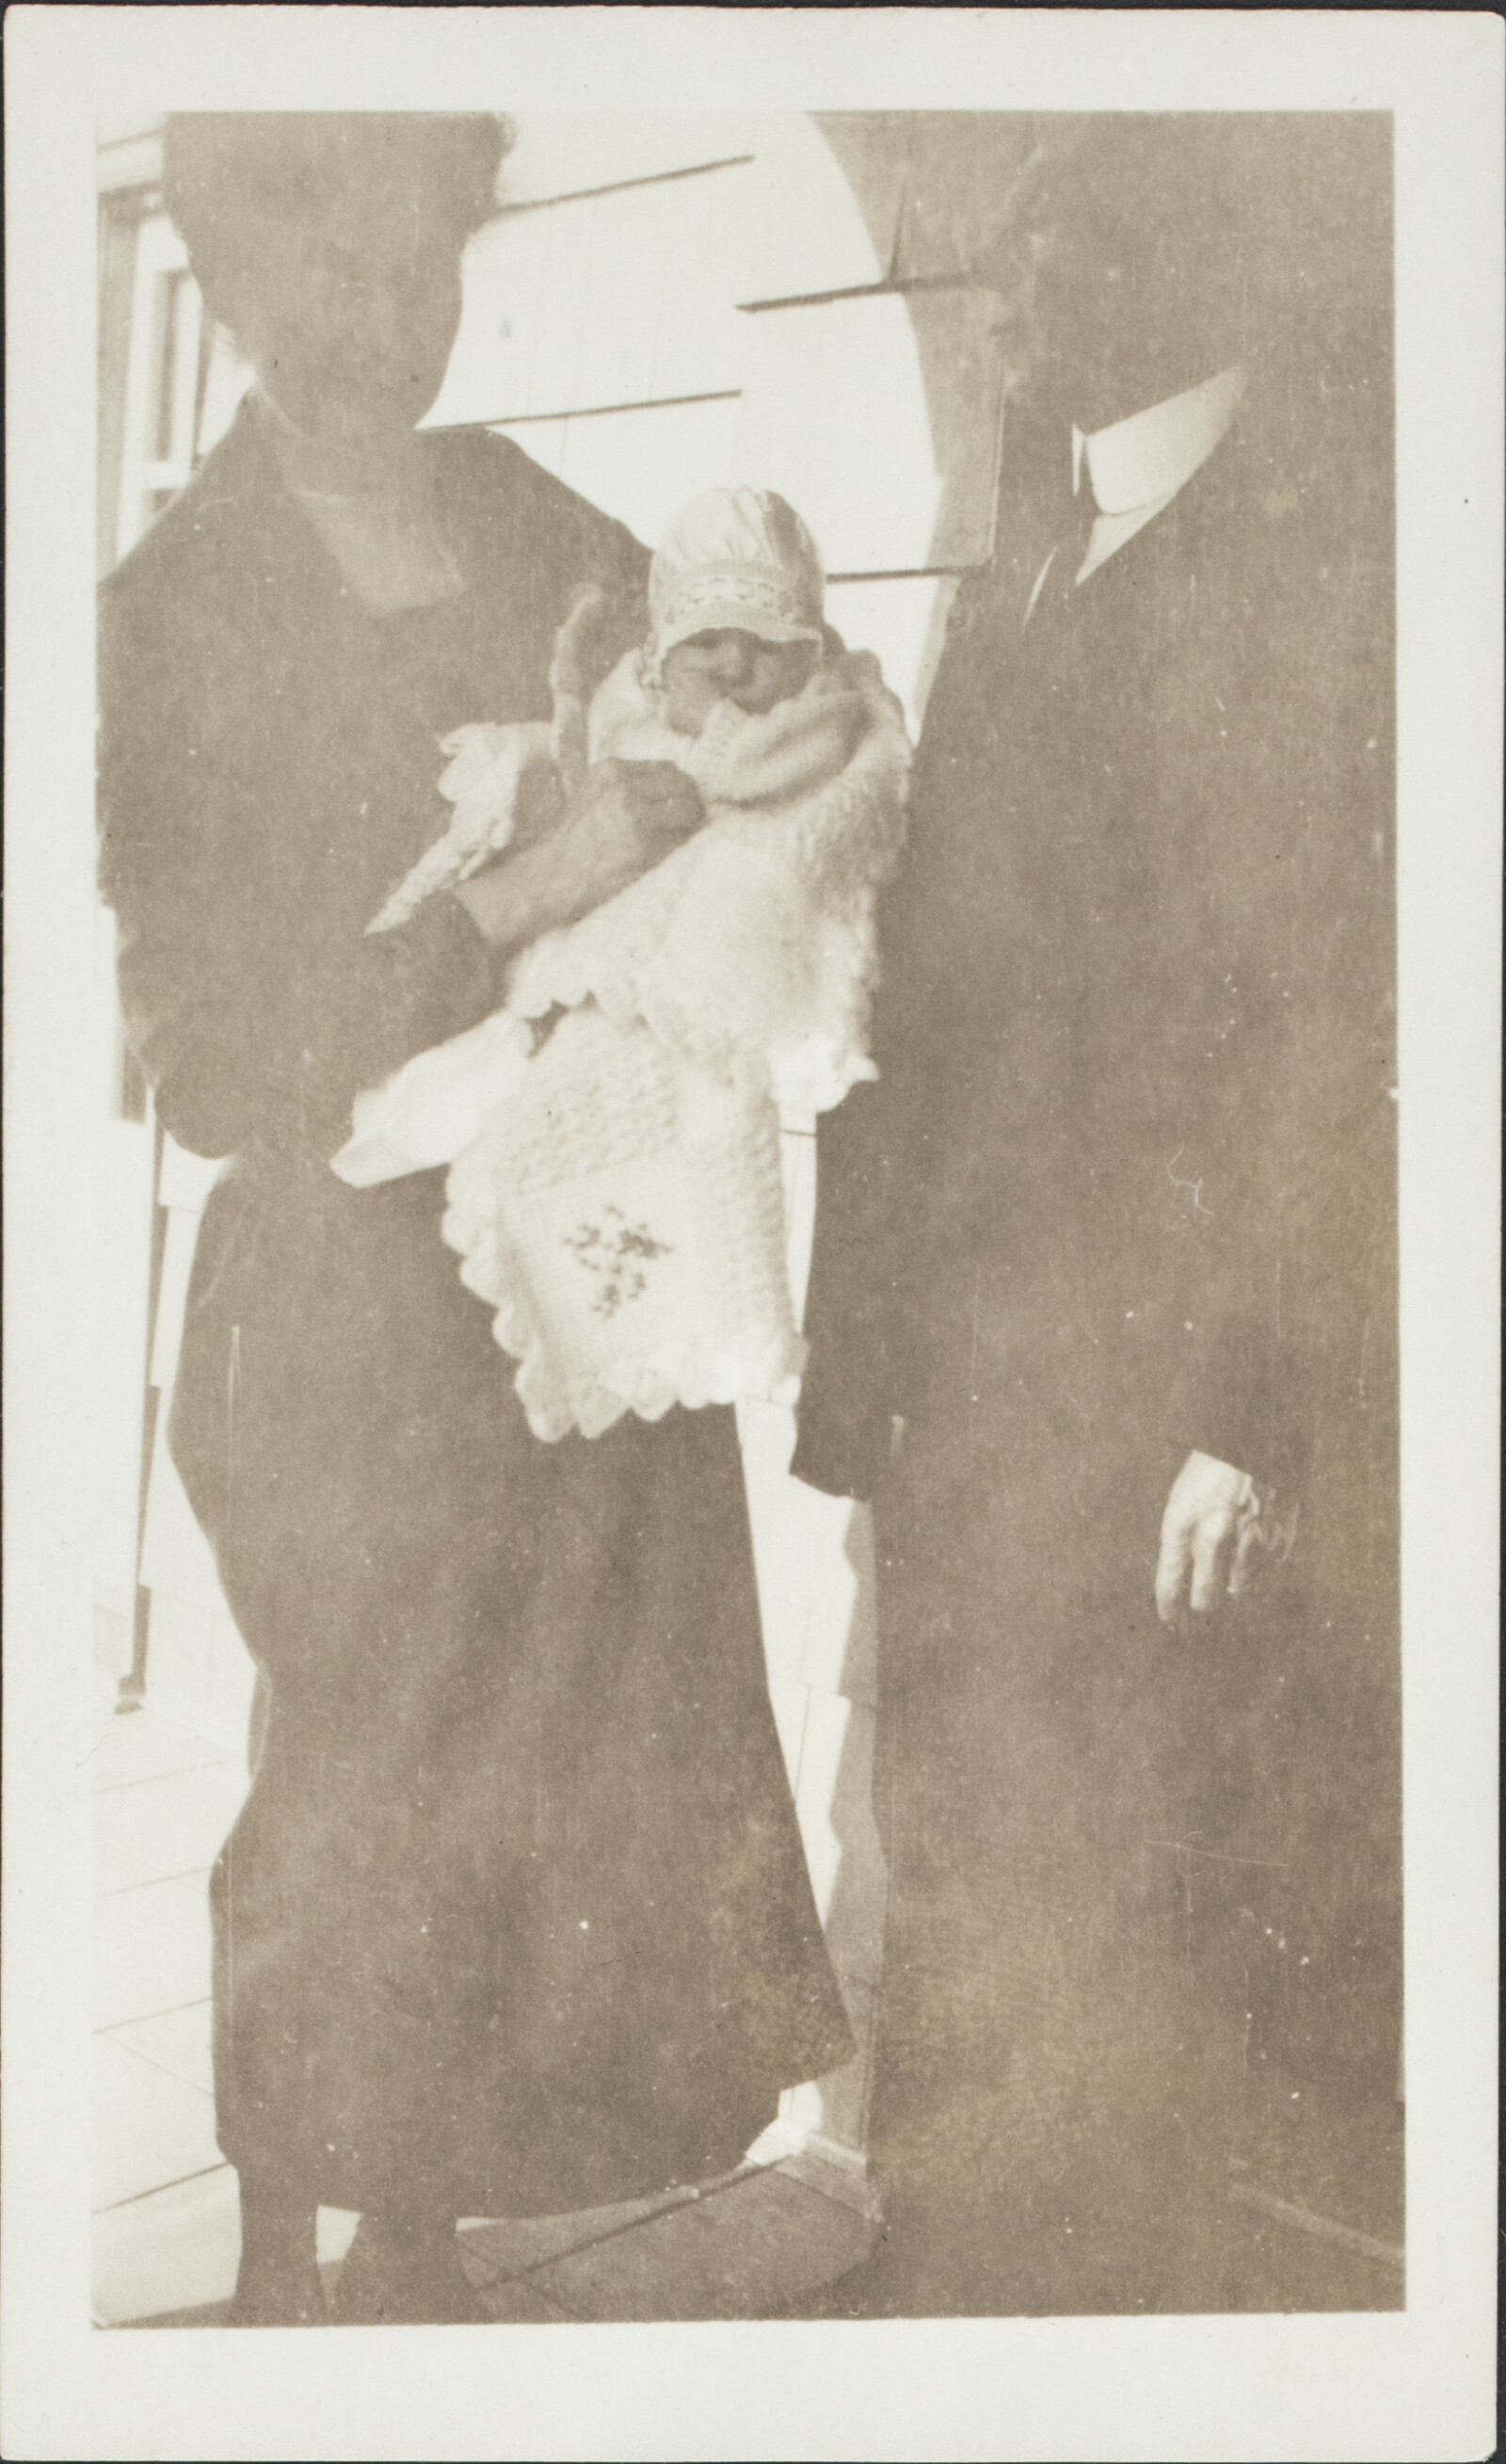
{"x": 614, "y": 1191}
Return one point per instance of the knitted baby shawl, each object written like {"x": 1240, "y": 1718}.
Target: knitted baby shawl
{"x": 616, "y": 1192}
{"x": 748, "y": 949}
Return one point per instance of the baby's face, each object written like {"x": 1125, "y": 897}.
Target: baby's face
{"x": 738, "y": 667}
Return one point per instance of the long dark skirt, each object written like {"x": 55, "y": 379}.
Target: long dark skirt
{"x": 515, "y": 1918}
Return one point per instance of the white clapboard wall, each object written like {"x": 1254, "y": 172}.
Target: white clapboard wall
{"x": 660, "y": 305}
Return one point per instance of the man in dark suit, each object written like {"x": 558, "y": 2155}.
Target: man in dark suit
{"x": 1102, "y": 1303}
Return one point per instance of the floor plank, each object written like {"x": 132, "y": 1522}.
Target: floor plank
{"x": 735, "y": 2255}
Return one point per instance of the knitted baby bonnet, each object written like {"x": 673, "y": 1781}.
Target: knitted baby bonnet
{"x": 736, "y": 560}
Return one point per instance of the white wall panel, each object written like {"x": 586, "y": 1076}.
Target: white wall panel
{"x": 556, "y": 154}
{"x": 809, "y": 234}
{"x": 560, "y": 155}
{"x": 835, "y": 418}
{"x": 505, "y": 286}
{"x": 581, "y": 306}
{"x": 177, "y": 1248}
{"x": 186, "y": 1179}
{"x": 897, "y": 619}
{"x": 176, "y": 1559}
{"x": 643, "y": 465}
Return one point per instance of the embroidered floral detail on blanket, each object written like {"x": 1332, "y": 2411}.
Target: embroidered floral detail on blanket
{"x": 616, "y": 1198}
{"x": 623, "y": 1214}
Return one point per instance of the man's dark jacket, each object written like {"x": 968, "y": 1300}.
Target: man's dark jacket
{"x": 1124, "y": 1190}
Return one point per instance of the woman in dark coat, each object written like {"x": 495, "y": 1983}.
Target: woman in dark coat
{"x": 515, "y": 1918}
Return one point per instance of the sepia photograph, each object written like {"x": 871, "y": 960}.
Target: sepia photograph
{"x": 740, "y": 1094}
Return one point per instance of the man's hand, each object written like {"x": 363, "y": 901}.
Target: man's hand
{"x": 1216, "y": 1534}
{"x": 625, "y": 818}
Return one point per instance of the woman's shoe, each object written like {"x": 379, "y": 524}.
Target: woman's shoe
{"x": 398, "y": 2277}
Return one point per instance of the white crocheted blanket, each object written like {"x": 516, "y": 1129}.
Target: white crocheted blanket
{"x": 614, "y": 1194}
{"x": 749, "y": 948}
{"x": 621, "y": 1212}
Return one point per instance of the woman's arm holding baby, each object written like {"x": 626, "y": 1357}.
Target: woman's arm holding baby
{"x": 626, "y": 818}
{"x": 623, "y": 819}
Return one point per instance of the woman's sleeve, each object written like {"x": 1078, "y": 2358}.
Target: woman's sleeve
{"x": 259, "y": 1008}
{"x": 269, "y": 1041}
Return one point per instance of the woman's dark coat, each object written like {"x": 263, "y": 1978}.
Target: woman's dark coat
{"x": 515, "y": 1917}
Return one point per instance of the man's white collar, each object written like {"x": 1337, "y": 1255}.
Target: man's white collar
{"x": 1138, "y": 465}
